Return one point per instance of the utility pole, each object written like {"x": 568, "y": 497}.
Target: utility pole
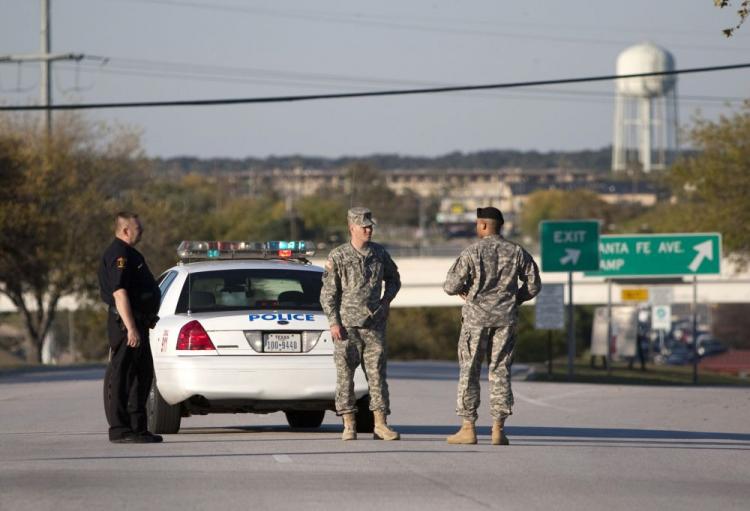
{"x": 46, "y": 71}
{"x": 45, "y": 57}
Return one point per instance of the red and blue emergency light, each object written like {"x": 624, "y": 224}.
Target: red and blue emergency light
{"x": 201, "y": 250}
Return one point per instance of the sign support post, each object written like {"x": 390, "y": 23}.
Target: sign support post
{"x": 550, "y": 314}
{"x": 695, "y": 329}
{"x": 571, "y": 331}
{"x": 609, "y": 327}
{"x": 549, "y": 354}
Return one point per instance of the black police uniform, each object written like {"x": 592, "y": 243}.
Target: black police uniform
{"x": 131, "y": 370}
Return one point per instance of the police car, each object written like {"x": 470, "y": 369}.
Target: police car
{"x": 241, "y": 329}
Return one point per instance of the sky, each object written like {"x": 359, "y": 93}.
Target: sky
{"x": 161, "y": 50}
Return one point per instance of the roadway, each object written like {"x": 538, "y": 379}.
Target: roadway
{"x": 574, "y": 446}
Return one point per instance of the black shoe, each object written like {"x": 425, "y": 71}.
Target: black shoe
{"x": 148, "y": 438}
{"x": 145, "y": 437}
{"x": 126, "y": 438}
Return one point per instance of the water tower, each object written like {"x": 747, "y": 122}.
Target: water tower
{"x": 645, "y": 134}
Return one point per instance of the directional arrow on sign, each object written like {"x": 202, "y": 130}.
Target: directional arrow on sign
{"x": 571, "y": 256}
{"x": 705, "y": 251}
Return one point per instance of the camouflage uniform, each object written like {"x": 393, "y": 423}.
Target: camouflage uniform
{"x": 352, "y": 285}
{"x": 487, "y": 272}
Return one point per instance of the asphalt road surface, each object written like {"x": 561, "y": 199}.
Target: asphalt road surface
{"x": 581, "y": 447}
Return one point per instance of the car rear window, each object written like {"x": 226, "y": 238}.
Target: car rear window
{"x": 226, "y": 290}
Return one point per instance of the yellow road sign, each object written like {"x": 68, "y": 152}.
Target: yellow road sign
{"x": 634, "y": 295}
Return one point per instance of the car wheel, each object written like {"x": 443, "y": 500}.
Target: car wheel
{"x": 305, "y": 419}
{"x": 162, "y": 417}
{"x": 365, "y": 419}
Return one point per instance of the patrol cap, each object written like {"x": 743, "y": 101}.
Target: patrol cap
{"x": 490, "y": 213}
{"x": 360, "y": 216}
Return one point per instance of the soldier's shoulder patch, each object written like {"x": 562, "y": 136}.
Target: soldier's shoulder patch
{"x": 120, "y": 262}
{"x": 329, "y": 264}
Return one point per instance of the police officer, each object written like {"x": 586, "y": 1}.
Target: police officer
{"x": 351, "y": 298}
{"x": 129, "y": 289}
{"x": 486, "y": 275}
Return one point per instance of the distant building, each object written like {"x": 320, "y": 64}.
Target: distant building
{"x": 460, "y": 191}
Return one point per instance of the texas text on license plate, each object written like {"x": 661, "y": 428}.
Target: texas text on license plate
{"x": 282, "y": 343}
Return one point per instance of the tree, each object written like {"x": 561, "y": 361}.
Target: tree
{"x": 742, "y": 13}
{"x": 256, "y": 219}
{"x": 580, "y": 204}
{"x": 559, "y": 204}
{"x": 58, "y": 196}
{"x": 172, "y": 210}
{"x": 324, "y": 218}
{"x": 711, "y": 188}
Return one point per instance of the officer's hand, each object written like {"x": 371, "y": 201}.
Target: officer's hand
{"x": 154, "y": 320}
{"x": 338, "y": 333}
{"x": 134, "y": 339}
{"x": 382, "y": 311}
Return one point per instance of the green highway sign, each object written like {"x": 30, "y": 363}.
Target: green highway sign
{"x": 569, "y": 245}
{"x": 638, "y": 255}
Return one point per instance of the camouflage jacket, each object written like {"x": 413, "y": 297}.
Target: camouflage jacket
{"x": 352, "y": 285}
{"x": 488, "y": 272}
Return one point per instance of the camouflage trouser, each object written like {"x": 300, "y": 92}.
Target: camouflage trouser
{"x": 365, "y": 346}
{"x": 473, "y": 344}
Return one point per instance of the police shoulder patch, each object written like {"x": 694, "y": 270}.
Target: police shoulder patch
{"x": 120, "y": 263}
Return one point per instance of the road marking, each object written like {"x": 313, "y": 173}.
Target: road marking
{"x": 537, "y": 402}
{"x": 282, "y": 458}
{"x": 543, "y": 402}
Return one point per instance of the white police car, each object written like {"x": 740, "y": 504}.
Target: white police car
{"x": 241, "y": 329}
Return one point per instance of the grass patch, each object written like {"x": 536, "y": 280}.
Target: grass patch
{"x": 621, "y": 375}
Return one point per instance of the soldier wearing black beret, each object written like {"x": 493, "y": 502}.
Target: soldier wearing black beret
{"x": 486, "y": 276}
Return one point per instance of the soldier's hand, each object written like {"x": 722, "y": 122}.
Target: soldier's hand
{"x": 134, "y": 339}
{"x": 463, "y": 296}
{"x": 338, "y": 333}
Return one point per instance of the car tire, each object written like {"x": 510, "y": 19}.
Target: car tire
{"x": 107, "y": 393}
{"x": 305, "y": 419}
{"x": 365, "y": 418}
{"x": 162, "y": 417}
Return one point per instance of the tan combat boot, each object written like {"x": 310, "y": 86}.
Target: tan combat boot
{"x": 498, "y": 435}
{"x": 381, "y": 430}
{"x": 466, "y": 435}
{"x": 350, "y": 427}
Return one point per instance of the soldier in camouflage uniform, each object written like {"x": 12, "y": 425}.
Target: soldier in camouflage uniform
{"x": 351, "y": 298}
{"x": 486, "y": 275}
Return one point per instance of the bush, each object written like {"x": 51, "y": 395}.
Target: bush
{"x": 423, "y": 333}
{"x": 432, "y": 333}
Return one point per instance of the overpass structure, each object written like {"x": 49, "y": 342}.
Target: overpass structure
{"x": 422, "y": 286}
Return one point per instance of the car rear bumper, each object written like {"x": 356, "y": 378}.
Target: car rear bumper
{"x": 256, "y": 378}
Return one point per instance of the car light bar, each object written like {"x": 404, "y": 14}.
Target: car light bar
{"x": 201, "y": 250}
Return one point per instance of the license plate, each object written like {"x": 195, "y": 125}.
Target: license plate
{"x": 282, "y": 343}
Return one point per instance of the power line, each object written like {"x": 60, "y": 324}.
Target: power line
{"x": 415, "y": 25}
{"x": 178, "y": 70}
{"x": 297, "y": 79}
{"x": 603, "y": 97}
{"x": 396, "y": 92}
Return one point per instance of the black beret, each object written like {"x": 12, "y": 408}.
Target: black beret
{"x": 490, "y": 213}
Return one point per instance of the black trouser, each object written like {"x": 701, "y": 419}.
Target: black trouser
{"x": 131, "y": 371}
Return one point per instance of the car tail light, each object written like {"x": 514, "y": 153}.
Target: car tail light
{"x": 194, "y": 337}
{"x": 310, "y": 339}
{"x": 255, "y": 339}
